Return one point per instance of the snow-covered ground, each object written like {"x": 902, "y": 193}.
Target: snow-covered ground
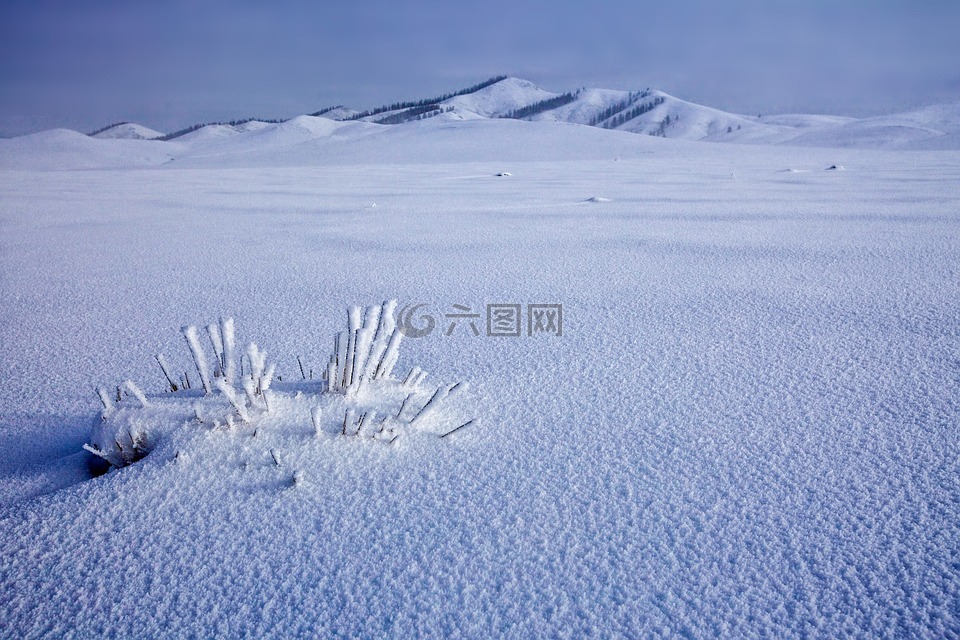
{"x": 748, "y": 427}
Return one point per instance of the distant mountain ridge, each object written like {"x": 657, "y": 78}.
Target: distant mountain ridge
{"x": 643, "y": 111}
{"x": 126, "y": 131}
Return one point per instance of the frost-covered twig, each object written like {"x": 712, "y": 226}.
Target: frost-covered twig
{"x": 403, "y": 405}
{"x": 103, "y": 454}
{"x": 353, "y": 326}
{"x": 213, "y": 330}
{"x": 249, "y": 387}
{"x": 266, "y": 401}
{"x": 331, "y": 376}
{"x": 366, "y": 419}
{"x": 439, "y": 396}
{"x": 349, "y": 416}
{"x": 434, "y": 400}
{"x": 365, "y": 340}
{"x": 454, "y": 430}
{"x": 193, "y": 341}
{"x": 385, "y": 326}
{"x": 257, "y": 360}
{"x": 267, "y": 378}
{"x": 385, "y": 368}
{"x": 414, "y": 373}
{"x": 382, "y": 341}
{"x": 231, "y": 396}
{"x": 136, "y": 393}
{"x": 366, "y": 351}
{"x": 166, "y": 371}
{"x": 105, "y": 401}
{"x": 229, "y": 343}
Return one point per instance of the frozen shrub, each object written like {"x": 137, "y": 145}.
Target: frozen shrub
{"x": 357, "y": 395}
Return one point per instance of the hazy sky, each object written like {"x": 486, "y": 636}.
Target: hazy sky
{"x": 174, "y": 63}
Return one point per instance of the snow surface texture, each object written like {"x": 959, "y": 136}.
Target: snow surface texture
{"x": 749, "y": 426}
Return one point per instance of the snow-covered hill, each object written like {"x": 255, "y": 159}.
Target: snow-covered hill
{"x": 66, "y": 149}
{"x": 585, "y": 109}
{"x": 499, "y": 99}
{"x": 647, "y": 112}
{"x": 669, "y": 117}
{"x": 298, "y": 141}
{"x": 210, "y": 132}
{"x": 933, "y": 127}
{"x": 127, "y": 131}
{"x": 337, "y": 113}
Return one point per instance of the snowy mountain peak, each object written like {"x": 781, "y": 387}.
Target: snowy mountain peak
{"x": 336, "y": 113}
{"x": 499, "y": 98}
{"x": 126, "y": 131}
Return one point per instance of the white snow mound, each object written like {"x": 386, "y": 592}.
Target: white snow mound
{"x": 128, "y": 131}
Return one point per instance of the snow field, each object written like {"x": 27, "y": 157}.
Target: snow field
{"x": 748, "y": 427}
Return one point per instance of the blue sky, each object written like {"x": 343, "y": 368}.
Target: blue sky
{"x": 171, "y": 64}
